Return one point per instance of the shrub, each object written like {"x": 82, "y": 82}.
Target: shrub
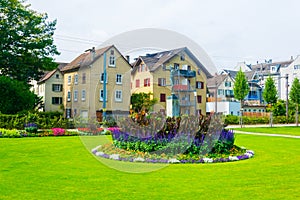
{"x": 9, "y": 133}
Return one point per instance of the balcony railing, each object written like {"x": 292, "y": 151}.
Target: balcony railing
{"x": 185, "y": 73}
{"x": 183, "y": 88}
{"x": 252, "y": 97}
{"x": 185, "y": 103}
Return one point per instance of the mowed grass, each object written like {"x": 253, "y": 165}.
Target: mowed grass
{"x": 62, "y": 168}
{"x": 287, "y": 130}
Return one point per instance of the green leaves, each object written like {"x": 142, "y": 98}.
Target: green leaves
{"x": 295, "y": 91}
{"x": 241, "y": 87}
{"x": 26, "y": 44}
{"x": 270, "y": 92}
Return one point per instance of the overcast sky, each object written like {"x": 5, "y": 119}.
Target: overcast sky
{"x": 229, "y": 31}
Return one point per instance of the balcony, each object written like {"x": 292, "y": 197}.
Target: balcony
{"x": 185, "y": 73}
{"x": 183, "y": 88}
{"x": 253, "y": 97}
{"x": 186, "y": 103}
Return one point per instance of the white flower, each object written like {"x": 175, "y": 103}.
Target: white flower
{"x": 248, "y": 154}
{"x": 208, "y": 160}
{"x": 96, "y": 148}
{"x": 114, "y": 156}
{"x": 139, "y": 159}
{"x": 173, "y": 160}
{"x": 233, "y": 158}
{"x": 99, "y": 153}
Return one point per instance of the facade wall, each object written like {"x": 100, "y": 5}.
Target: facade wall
{"x": 293, "y": 71}
{"x": 49, "y": 94}
{"x": 93, "y": 84}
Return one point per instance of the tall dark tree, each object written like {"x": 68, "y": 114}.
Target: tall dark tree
{"x": 26, "y": 44}
{"x": 270, "y": 95}
{"x": 295, "y": 97}
{"x": 15, "y": 96}
{"x": 240, "y": 90}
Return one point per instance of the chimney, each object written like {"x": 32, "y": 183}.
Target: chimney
{"x": 292, "y": 58}
{"x": 128, "y": 58}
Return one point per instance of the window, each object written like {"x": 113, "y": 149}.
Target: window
{"x": 227, "y": 84}
{"x": 162, "y": 97}
{"x": 147, "y": 82}
{"x": 69, "y": 96}
{"x": 56, "y": 87}
{"x": 176, "y": 66}
{"x": 137, "y": 83}
{"x": 199, "y": 98}
{"x": 68, "y": 113}
{"x": 102, "y": 95}
{"x": 220, "y": 92}
{"x": 57, "y": 76}
{"x": 102, "y": 77}
{"x": 161, "y": 82}
{"x": 76, "y": 79}
{"x": 75, "y": 95}
{"x": 119, "y": 79}
{"x": 118, "y": 95}
{"x": 199, "y": 85}
{"x": 83, "y": 94}
{"x": 112, "y": 59}
{"x": 182, "y": 57}
{"x": 83, "y": 78}
{"x": 69, "y": 79}
{"x": 142, "y": 67}
{"x": 296, "y": 66}
{"x": 56, "y": 100}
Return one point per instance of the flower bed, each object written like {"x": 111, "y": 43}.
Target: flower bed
{"x": 111, "y": 152}
{"x": 173, "y": 140}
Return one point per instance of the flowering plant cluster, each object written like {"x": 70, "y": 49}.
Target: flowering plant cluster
{"x": 91, "y": 131}
{"x": 58, "y": 131}
{"x": 187, "y": 135}
{"x": 31, "y": 128}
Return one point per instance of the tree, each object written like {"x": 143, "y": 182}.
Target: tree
{"x": 15, "y": 96}
{"x": 240, "y": 90}
{"x": 295, "y": 96}
{"x": 270, "y": 95}
{"x": 26, "y": 43}
{"x": 142, "y": 102}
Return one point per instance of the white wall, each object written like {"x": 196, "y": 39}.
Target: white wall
{"x": 226, "y": 108}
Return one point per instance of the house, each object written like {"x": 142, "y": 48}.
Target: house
{"x": 177, "y": 72}
{"x": 87, "y": 94}
{"x": 274, "y": 70}
{"x": 288, "y": 74}
{"x": 50, "y": 88}
{"x": 220, "y": 95}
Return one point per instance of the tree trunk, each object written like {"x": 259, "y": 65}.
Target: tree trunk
{"x": 241, "y": 114}
{"x": 271, "y": 118}
{"x": 297, "y": 107}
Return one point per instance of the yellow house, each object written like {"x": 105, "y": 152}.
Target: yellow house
{"x": 175, "y": 71}
{"x": 84, "y": 86}
{"x": 50, "y": 88}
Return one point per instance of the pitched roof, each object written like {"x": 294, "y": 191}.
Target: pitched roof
{"x": 265, "y": 67}
{"x": 85, "y": 59}
{"x": 156, "y": 60}
{"x": 216, "y": 80}
{"x": 231, "y": 72}
{"x": 48, "y": 74}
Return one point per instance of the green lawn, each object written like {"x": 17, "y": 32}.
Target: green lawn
{"x": 287, "y": 130}
{"x": 62, "y": 168}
